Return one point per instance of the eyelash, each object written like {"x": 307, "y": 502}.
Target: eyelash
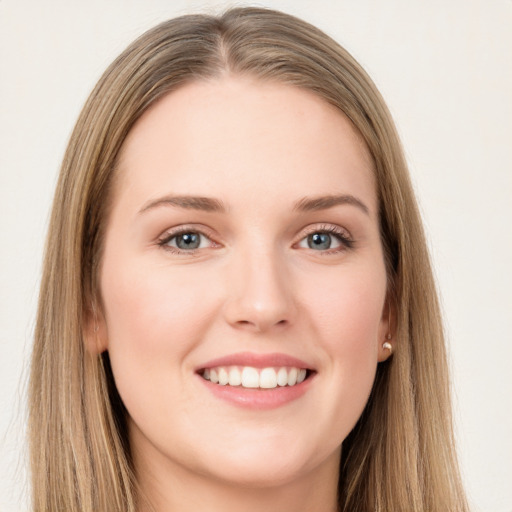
{"x": 162, "y": 242}
{"x": 342, "y": 235}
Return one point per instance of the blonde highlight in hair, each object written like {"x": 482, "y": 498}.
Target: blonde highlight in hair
{"x": 400, "y": 456}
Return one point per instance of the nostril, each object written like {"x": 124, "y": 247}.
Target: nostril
{"x": 261, "y": 324}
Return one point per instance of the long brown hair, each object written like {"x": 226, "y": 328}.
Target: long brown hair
{"x": 400, "y": 456}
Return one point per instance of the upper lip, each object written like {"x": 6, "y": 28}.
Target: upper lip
{"x": 256, "y": 361}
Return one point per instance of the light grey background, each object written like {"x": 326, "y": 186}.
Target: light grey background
{"x": 445, "y": 69}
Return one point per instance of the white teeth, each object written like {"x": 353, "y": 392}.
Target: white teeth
{"x": 235, "y": 377}
{"x": 223, "y": 377}
{"x": 268, "y": 378}
{"x": 282, "y": 377}
{"x": 249, "y": 377}
{"x": 292, "y": 377}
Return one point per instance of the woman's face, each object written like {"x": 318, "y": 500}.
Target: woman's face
{"x": 243, "y": 240}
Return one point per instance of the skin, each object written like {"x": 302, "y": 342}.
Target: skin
{"x": 254, "y": 285}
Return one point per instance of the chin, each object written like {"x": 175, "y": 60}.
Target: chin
{"x": 267, "y": 467}
{"x": 260, "y": 474}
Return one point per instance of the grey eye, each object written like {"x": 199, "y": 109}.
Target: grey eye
{"x": 188, "y": 240}
{"x": 320, "y": 241}
{"x": 325, "y": 239}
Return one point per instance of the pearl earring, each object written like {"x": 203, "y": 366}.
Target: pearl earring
{"x": 386, "y": 345}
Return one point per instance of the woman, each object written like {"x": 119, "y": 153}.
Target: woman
{"x": 237, "y": 308}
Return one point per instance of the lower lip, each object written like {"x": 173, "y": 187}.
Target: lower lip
{"x": 259, "y": 399}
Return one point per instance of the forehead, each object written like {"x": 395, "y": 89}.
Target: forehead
{"x": 234, "y": 134}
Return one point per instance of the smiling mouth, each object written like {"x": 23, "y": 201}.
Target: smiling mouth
{"x": 256, "y": 378}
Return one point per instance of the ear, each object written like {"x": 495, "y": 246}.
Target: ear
{"x": 387, "y": 330}
{"x": 95, "y": 331}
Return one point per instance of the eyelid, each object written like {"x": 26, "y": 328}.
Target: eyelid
{"x": 344, "y": 237}
{"x": 328, "y": 228}
{"x": 171, "y": 233}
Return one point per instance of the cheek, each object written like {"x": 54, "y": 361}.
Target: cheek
{"x": 150, "y": 309}
{"x": 347, "y": 316}
{"x": 154, "y": 319}
{"x": 347, "y": 309}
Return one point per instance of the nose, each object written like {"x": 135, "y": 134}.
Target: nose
{"x": 261, "y": 296}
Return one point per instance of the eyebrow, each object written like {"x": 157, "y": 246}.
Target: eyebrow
{"x": 212, "y": 205}
{"x": 308, "y": 204}
{"x": 206, "y": 204}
